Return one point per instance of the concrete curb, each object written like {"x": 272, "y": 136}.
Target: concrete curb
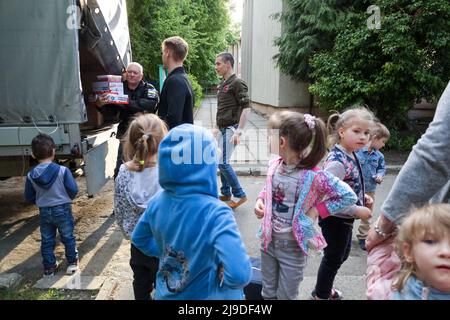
{"x": 10, "y": 280}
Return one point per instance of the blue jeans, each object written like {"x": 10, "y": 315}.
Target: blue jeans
{"x": 230, "y": 182}
{"x": 57, "y": 218}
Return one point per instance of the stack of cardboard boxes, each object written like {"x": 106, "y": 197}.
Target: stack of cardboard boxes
{"x": 111, "y": 87}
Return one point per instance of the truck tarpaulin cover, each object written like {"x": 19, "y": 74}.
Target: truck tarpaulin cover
{"x": 39, "y": 58}
{"x": 115, "y": 14}
{"x": 39, "y": 62}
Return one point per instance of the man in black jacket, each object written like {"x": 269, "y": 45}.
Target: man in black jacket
{"x": 177, "y": 98}
{"x": 142, "y": 97}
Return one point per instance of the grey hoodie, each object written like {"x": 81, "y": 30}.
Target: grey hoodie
{"x": 49, "y": 185}
{"x": 426, "y": 174}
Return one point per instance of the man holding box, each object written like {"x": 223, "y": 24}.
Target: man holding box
{"x": 142, "y": 97}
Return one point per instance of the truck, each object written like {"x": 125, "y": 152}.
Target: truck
{"x": 50, "y": 53}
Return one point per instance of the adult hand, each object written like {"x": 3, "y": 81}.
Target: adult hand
{"x": 373, "y": 239}
{"x": 235, "y": 139}
{"x": 259, "y": 208}
{"x": 101, "y": 100}
{"x": 215, "y": 132}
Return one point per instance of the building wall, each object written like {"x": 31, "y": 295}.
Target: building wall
{"x": 246, "y": 43}
{"x": 268, "y": 86}
{"x": 265, "y": 78}
{"x": 293, "y": 93}
{"x": 235, "y": 50}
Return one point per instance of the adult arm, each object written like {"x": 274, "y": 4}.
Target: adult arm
{"x": 425, "y": 173}
{"x": 427, "y": 169}
{"x": 243, "y": 102}
{"x": 243, "y": 119}
{"x": 176, "y": 97}
{"x": 146, "y": 102}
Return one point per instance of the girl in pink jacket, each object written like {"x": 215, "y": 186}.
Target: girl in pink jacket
{"x": 288, "y": 227}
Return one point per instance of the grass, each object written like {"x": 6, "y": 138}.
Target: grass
{"x": 28, "y": 293}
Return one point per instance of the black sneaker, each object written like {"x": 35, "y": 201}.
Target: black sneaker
{"x": 335, "y": 295}
{"x": 362, "y": 244}
{"x": 50, "y": 272}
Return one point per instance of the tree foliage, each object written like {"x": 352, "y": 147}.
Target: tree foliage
{"x": 309, "y": 27}
{"x": 348, "y": 63}
{"x": 202, "y": 23}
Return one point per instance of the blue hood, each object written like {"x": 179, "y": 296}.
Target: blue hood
{"x": 187, "y": 160}
{"x": 45, "y": 174}
{"x": 192, "y": 232}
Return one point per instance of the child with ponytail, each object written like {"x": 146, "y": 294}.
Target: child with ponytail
{"x": 288, "y": 217}
{"x": 135, "y": 185}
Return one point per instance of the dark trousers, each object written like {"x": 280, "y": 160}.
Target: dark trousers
{"x": 119, "y": 160}
{"x": 144, "y": 273}
{"x": 338, "y": 235}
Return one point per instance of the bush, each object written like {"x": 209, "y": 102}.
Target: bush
{"x": 198, "y": 90}
{"x": 330, "y": 45}
{"x": 402, "y": 141}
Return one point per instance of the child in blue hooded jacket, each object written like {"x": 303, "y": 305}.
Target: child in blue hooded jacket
{"x": 188, "y": 228}
{"x": 52, "y": 187}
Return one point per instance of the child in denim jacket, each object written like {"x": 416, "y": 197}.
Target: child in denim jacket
{"x": 373, "y": 168}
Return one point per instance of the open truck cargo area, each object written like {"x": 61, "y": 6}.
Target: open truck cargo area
{"x": 50, "y": 53}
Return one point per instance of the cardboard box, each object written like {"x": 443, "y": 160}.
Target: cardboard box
{"x": 117, "y": 98}
{"x": 112, "y": 98}
{"x": 107, "y": 87}
{"x": 109, "y": 78}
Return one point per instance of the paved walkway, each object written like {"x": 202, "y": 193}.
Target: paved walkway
{"x": 252, "y": 154}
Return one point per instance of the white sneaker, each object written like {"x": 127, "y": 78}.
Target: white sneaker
{"x": 72, "y": 268}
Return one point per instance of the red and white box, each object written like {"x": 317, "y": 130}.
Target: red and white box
{"x": 109, "y": 78}
{"x": 107, "y": 87}
{"x": 116, "y": 98}
{"x": 111, "y": 98}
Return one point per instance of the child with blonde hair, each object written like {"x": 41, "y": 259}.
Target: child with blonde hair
{"x": 423, "y": 244}
{"x": 135, "y": 185}
{"x": 350, "y": 133}
{"x": 287, "y": 228}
